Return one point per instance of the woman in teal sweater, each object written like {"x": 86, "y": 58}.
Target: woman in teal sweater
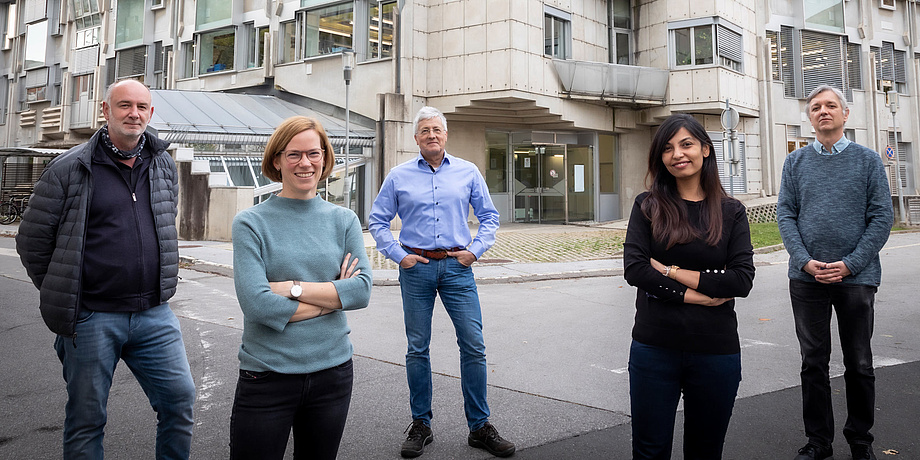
{"x": 298, "y": 263}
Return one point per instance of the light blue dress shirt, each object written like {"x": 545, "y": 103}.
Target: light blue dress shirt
{"x": 434, "y": 205}
{"x": 838, "y": 147}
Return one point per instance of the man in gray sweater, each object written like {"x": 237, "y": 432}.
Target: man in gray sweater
{"x": 835, "y": 214}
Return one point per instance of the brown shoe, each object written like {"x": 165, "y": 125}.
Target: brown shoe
{"x": 419, "y": 436}
{"x": 488, "y": 438}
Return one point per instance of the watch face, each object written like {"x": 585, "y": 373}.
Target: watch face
{"x": 296, "y": 290}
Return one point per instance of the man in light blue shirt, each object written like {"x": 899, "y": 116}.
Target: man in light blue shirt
{"x": 432, "y": 195}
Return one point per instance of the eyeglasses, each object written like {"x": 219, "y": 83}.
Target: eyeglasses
{"x": 427, "y": 131}
{"x": 295, "y": 156}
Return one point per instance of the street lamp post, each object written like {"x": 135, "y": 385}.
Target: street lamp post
{"x": 348, "y": 63}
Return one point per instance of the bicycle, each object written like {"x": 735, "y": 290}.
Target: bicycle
{"x": 9, "y": 211}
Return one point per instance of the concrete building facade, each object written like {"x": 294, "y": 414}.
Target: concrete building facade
{"x": 555, "y": 100}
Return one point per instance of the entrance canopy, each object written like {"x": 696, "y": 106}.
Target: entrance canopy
{"x": 202, "y": 117}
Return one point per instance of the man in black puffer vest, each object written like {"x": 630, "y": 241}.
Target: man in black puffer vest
{"x": 99, "y": 241}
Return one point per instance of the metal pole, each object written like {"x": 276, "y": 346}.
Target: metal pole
{"x": 347, "y": 146}
{"x": 893, "y": 105}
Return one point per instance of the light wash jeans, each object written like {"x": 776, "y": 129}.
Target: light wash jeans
{"x": 455, "y": 284}
{"x": 150, "y": 343}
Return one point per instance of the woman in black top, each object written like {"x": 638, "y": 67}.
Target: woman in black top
{"x": 688, "y": 251}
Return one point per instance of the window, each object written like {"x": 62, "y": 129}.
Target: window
{"x": 82, "y": 88}
{"x": 129, "y": 23}
{"x": 161, "y": 55}
{"x": 131, "y": 62}
{"x": 215, "y": 50}
{"x": 380, "y": 29}
{"x": 57, "y": 77}
{"x": 890, "y": 68}
{"x": 733, "y": 176}
{"x": 329, "y": 30}
{"x": 621, "y": 33}
{"x": 36, "y": 44}
{"x": 255, "y": 50}
{"x": 497, "y": 169}
{"x": 822, "y": 62}
{"x": 54, "y": 17}
{"x": 887, "y": 4}
{"x": 706, "y": 44}
{"x": 854, "y": 74}
{"x": 824, "y": 15}
{"x": 4, "y": 96}
{"x": 36, "y": 84}
{"x": 287, "y": 51}
{"x": 904, "y": 165}
{"x": 155, "y": 4}
{"x": 816, "y": 59}
{"x": 32, "y": 10}
{"x": 87, "y": 22}
{"x": 188, "y": 59}
{"x": 213, "y": 13}
{"x": 557, "y": 33}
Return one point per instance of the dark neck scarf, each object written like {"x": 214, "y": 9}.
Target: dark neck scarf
{"x": 123, "y": 154}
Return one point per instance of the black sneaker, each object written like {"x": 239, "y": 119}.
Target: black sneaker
{"x": 862, "y": 451}
{"x": 814, "y": 452}
{"x": 419, "y": 436}
{"x": 487, "y": 438}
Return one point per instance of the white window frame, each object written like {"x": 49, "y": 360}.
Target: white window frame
{"x": 887, "y": 4}
{"x": 728, "y": 58}
{"x": 557, "y": 20}
{"x": 302, "y": 28}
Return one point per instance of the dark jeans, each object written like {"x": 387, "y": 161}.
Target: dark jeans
{"x": 268, "y": 405}
{"x": 811, "y": 307}
{"x": 657, "y": 377}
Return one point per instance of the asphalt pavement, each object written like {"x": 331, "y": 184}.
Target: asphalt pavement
{"x": 557, "y": 335}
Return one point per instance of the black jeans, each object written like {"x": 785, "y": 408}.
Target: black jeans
{"x": 811, "y": 307}
{"x": 268, "y": 405}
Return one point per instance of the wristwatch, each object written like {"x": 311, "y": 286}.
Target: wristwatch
{"x": 296, "y": 290}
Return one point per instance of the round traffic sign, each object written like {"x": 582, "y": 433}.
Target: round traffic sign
{"x": 730, "y": 118}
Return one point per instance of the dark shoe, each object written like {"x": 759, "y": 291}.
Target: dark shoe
{"x": 814, "y": 452}
{"x": 862, "y": 452}
{"x": 419, "y": 436}
{"x": 487, "y": 438}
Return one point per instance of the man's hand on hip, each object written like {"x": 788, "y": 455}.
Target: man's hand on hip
{"x": 464, "y": 257}
{"x": 410, "y": 260}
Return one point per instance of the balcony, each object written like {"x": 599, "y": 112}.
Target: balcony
{"x": 616, "y": 83}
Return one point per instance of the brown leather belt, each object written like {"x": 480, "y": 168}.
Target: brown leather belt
{"x": 436, "y": 254}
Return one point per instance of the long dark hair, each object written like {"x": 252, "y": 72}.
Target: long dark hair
{"x": 664, "y": 206}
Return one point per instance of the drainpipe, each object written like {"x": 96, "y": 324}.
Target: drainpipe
{"x": 398, "y": 32}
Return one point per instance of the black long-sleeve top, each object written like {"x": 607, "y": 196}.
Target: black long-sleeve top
{"x": 663, "y": 319}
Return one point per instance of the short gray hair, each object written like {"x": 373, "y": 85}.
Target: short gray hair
{"x": 427, "y": 113}
{"x": 108, "y": 91}
{"x": 815, "y": 92}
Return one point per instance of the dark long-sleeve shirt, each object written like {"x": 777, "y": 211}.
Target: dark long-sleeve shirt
{"x": 663, "y": 319}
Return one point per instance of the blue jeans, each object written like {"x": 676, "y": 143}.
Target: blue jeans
{"x": 268, "y": 405}
{"x": 150, "y": 343}
{"x": 657, "y": 377}
{"x": 855, "y": 306}
{"x": 455, "y": 284}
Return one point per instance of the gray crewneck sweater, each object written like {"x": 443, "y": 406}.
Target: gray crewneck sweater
{"x": 835, "y": 207}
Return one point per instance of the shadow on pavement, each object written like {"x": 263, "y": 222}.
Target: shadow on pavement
{"x": 769, "y": 426}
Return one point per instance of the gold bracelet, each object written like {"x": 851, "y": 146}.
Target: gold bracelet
{"x": 672, "y": 268}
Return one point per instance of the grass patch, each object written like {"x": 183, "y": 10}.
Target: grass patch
{"x": 765, "y": 234}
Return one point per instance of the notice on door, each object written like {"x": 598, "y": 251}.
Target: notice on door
{"x": 579, "y": 174}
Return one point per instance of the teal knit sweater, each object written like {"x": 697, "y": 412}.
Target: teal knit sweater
{"x": 286, "y": 239}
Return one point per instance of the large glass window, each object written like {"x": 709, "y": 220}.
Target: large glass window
{"x": 129, "y": 23}
{"x": 213, "y": 13}
{"x": 557, "y": 33}
{"x": 188, "y": 59}
{"x": 380, "y": 29}
{"x": 693, "y": 46}
{"x": 329, "y": 30}
{"x": 215, "y": 50}
{"x": 36, "y": 44}
{"x": 131, "y": 62}
{"x": 824, "y": 15}
{"x": 607, "y": 164}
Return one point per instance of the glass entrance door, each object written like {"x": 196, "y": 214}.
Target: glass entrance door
{"x": 539, "y": 183}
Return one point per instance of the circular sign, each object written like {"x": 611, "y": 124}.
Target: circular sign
{"x": 890, "y": 152}
{"x": 730, "y": 118}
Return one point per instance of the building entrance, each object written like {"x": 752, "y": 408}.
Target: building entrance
{"x": 553, "y": 183}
